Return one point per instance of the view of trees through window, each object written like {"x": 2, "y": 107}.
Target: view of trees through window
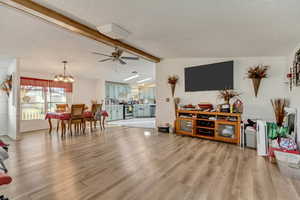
{"x": 36, "y": 101}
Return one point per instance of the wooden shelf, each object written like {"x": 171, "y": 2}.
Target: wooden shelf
{"x": 184, "y": 133}
{"x": 227, "y": 122}
{"x": 217, "y": 125}
{"x": 201, "y": 119}
{"x": 186, "y": 118}
{"x": 205, "y": 136}
{"x": 209, "y": 113}
{"x": 205, "y": 127}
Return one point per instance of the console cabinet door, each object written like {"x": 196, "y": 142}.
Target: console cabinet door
{"x": 227, "y": 131}
{"x": 184, "y": 126}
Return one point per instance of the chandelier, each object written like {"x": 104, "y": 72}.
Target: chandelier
{"x": 63, "y": 77}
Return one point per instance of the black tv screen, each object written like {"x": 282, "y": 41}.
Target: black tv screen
{"x": 215, "y": 76}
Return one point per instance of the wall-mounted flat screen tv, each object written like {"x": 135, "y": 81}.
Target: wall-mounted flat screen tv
{"x": 216, "y": 76}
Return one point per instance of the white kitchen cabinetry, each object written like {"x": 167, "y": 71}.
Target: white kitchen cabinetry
{"x": 115, "y": 112}
{"x": 141, "y": 110}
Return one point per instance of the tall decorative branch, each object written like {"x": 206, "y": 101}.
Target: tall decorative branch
{"x": 176, "y": 103}
{"x": 278, "y": 107}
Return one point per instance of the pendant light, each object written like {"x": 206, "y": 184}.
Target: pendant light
{"x": 64, "y": 77}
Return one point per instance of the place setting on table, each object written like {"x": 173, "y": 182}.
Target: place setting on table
{"x": 77, "y": 115}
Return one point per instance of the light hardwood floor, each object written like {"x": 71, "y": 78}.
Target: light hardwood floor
{"x": 139, "y": 164}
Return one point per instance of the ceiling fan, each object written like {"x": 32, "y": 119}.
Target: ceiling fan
{"x": 116, "y": 56}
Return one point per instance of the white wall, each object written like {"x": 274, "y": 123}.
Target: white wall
{"x": 14, "y": 101}
{"x": 9, "y": 109}
{"x": 260, "y": 107}
{"x": 4, "y": 64}
{"x": 84, "y": 90}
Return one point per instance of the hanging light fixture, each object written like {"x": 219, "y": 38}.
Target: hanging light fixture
{"x": 63, "y": 77}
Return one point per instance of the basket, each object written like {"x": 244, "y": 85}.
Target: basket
{"x": 288, "y": 163}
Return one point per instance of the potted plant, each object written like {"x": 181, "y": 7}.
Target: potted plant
{"x": 227, "y": 94}
{"x": 172, "y": 80}
{"x": 257, "y": 73}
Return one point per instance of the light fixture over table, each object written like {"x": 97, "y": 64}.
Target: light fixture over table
{"x": 64, "y": 77}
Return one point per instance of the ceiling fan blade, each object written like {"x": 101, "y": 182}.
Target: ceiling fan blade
{"x": 122, "y": 62}
{"x": 119, "y": 52}
{"x": 107, "y": 59}
{"x": 101, "y": 54}
{"x": 130, "y": 58}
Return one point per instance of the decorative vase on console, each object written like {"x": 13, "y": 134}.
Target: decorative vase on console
{"x": 227, "y": 94}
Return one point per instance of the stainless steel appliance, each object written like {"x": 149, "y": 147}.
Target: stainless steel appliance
{"x": 127, "y": 111}
{"x": 152, "y": 110}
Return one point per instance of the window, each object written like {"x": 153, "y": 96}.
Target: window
{"x": 56, "y": 96}
{"x": 39, "y": 96}
{"x": 32, "y": 102}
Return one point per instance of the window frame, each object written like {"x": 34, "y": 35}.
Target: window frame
{"x": 46, "y": 85}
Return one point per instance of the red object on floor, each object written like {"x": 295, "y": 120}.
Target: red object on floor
{"x": 272, "y": 154}
{"x": 5, "y": 179}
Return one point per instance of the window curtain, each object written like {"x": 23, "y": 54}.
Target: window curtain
{"x": 67, "y": 86}
{"x": 26, "y": 81}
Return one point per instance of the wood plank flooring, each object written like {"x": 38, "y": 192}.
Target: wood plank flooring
{"x": 140, "y": 164}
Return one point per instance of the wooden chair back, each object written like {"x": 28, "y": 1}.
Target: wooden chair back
{"x": 96, "y": 107}
{"x": 62, "y": 107}
{"x": 77, "y": 111}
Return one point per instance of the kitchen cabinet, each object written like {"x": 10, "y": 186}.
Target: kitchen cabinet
{"x": 143, "y": 110}
{"x": 115, "y": 112}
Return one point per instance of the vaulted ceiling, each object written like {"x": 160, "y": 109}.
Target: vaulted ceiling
{"x": 196, "y": 28}
{"x": 167, "y": 29}
{"x": 42, "y": 46}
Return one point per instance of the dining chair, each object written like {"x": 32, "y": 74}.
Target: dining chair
{"x": 61, "y": 108}
{"x": 104, "y": 115}
{"x": 93, "y": 118}
{"x": 77, "y": 118}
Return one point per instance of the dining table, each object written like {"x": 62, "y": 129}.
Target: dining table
{"x": 62, "y": 116}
